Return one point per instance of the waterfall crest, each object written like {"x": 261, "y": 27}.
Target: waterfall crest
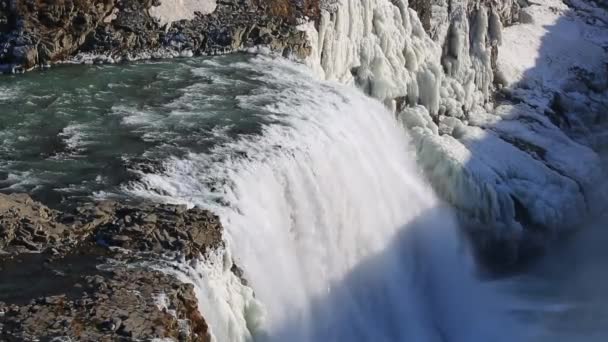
{"x": 339, "y": 236}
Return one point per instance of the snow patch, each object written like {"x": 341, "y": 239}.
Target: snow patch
{"x": 162, "y": 303}
{"x": 489, "y": 162}
{"x": 542, "y": 53}
{"x": 176, "y": 10}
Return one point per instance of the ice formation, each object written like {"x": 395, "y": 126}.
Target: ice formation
{"x": 384, "y": 48}
{"x": 507, "y": 166}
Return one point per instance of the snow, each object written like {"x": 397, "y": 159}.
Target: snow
{"x": 174, "y": 10}
{"x": 560, "y": 152}
{"x": 543, "y": 53}
{"x": 482, "y": 174}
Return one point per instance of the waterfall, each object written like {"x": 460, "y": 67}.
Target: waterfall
{"x": 338, "y": 235}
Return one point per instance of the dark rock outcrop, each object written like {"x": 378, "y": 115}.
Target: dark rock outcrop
{"x": 38, "y": 33}
{"x": 28, "y": 226}
{"x": 121, "y": 305}
{"x": 90, "y": 282}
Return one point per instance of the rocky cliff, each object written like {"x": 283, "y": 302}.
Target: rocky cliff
{"x": 39, "y": 33}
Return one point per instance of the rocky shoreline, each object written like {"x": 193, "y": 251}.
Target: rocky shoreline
{"x": 79, "y": 275}
{"x": 39, "y": 34}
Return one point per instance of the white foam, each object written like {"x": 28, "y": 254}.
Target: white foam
{"x": 11, "y": 93}
{"x": 135, "y": 117}
{"x": 74, "y": 137}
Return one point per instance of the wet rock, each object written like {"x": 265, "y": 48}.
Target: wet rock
{"x": 28, "y": 226}
{"x": 91, "y": 284}
{"x": 123, "y": 305}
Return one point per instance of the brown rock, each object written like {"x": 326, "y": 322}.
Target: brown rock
{"x": 72, "y": 296}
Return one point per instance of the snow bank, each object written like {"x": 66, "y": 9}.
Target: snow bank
{"x": 175, "y": 10}
{"x": 556, "y": 63}
{"x": 496, "y": 181}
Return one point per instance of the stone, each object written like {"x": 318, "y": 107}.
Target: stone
{"x": 121, "y": 238}
{"x": 152, "y": 218}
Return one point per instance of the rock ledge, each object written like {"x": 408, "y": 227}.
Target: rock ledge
{"x": 78, "y": 276}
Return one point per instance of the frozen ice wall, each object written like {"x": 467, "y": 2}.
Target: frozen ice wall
{"x": 383, "y": 46}
{"x": 509, "y": 167}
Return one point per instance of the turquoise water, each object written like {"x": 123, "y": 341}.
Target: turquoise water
{"x": 71, "y": 131}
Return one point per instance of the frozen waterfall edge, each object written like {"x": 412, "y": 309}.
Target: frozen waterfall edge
{"x": 489, "y": 143}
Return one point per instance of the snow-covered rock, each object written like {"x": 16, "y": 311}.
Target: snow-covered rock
{"x": 557, "y": 64}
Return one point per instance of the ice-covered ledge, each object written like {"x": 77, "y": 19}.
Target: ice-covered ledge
{"x": 514, "y": 154}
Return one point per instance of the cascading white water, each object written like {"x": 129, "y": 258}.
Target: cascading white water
{"x": 326, "y": 212}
